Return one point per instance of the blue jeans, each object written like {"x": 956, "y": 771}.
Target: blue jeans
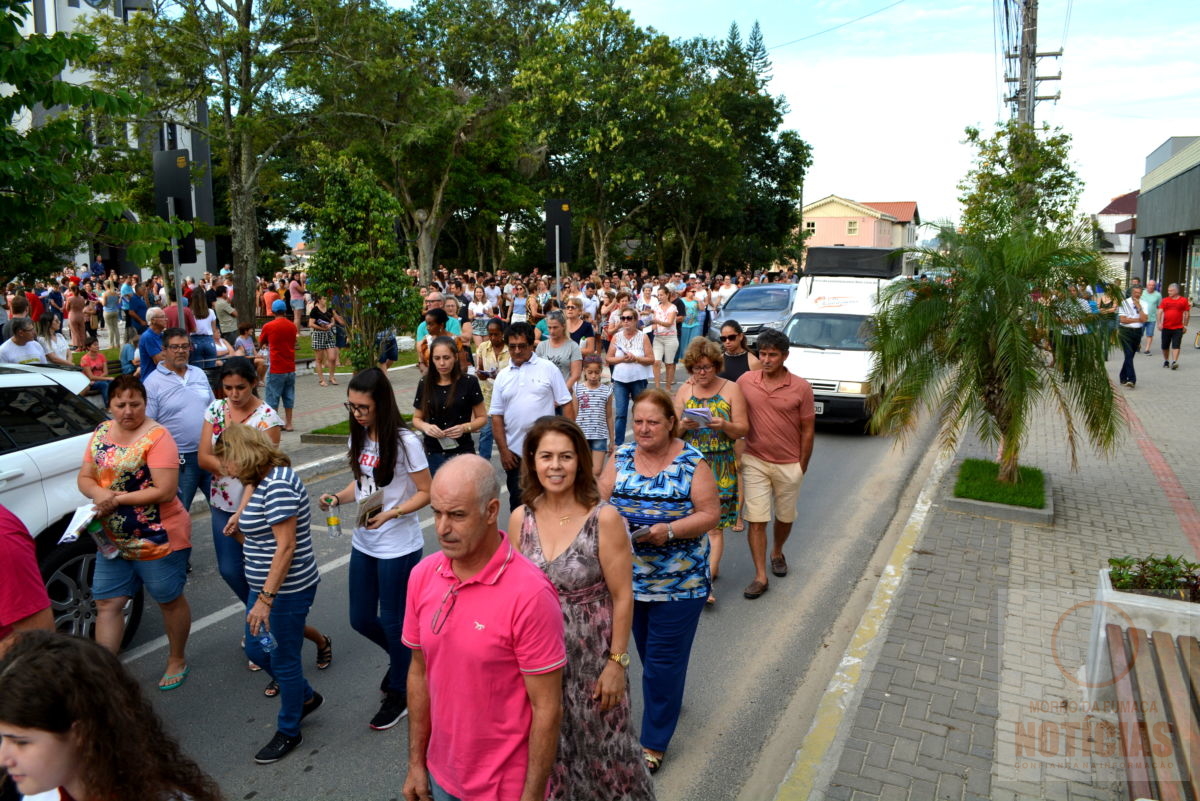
{"x": 191, "y": 478}
{"x": 485, "y": 440}
{"x": 437, "y": 792}
{"x": 623, "y": 394}
{"x": 663, "y": 632}
{"x": 288, "y": 615}
{"x": 281, "y": 386}
{"x": 229, "y": 554}
{"x": 378, "y": 591}
{"x": 204, "y": 351}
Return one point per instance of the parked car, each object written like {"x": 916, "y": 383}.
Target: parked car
{"x": 44, "y": 429}
{"x": 755, "y": 306}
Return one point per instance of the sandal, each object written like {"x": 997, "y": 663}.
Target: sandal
{"x": 325, "y": 654}
{"x": 712, "y": 599}
{"x": 253, "y": 668}
{"x": 653, "y": 763}
{"x": 272, "y": 689}
{"x": 323, "y": 384}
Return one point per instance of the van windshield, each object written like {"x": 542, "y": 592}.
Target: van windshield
{"x": 830, "y": 331}
{"x": 764, "y": 299}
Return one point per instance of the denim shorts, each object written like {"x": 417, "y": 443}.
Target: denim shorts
{"x": 281, "y": 387}
{"x": 1148, "y": 329}
{"x": 598, "y": 445}
{"x": 298, "y": 304}
{"x": 388, "y": 351}
{"x": 121, "y": 578}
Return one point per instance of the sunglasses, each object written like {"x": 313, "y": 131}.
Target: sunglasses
{"x": 628, "y": 319}
{"x": 729, "y": 337}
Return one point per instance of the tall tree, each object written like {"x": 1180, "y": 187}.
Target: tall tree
{"x": 237, "y": 54}
{"x": 1019, "y": 172}
{"x": 359, "y": 262}
{"x": 52, "y": 199}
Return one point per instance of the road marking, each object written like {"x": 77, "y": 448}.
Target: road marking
{"x": 802, "y": 779}
{"x": 216, "y": 617}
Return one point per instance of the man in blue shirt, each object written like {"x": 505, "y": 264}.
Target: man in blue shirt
{"x": 177, "y": 395}
{"x": 150, "y": 346}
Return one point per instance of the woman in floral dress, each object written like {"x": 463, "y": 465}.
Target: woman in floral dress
{"x": 724, "y": 402}
{"x": 583, "y": 547}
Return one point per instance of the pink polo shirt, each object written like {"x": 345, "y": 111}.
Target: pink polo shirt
{"x": 505, "y": 622}
{"x": 775, "y": 415}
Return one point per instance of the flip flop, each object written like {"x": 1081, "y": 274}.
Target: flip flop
{"x": 176, "y": 679}
{"x": 653, "y": 763}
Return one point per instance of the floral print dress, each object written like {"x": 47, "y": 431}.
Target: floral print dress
{"x": 138, "y": 532}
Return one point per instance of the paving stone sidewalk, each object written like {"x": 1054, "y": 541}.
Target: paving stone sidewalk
{"x": 982, "y": 644}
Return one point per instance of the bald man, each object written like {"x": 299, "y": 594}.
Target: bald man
{"x": 486, "y": 631}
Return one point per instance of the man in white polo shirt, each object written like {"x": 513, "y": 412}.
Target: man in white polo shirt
{"x": 529, "y": 388}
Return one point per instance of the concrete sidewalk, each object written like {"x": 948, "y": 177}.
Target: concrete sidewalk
{"x": 980, "y": 642}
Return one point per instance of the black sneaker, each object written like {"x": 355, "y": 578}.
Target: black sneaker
{"x": 312, "y": 705}
{"x": 1166, "y": 363}
{"x": 280, "y": 746}
{"x": 394, "y": 707}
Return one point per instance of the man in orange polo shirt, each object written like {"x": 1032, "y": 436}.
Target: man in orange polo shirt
{"x": 778, "y": 447}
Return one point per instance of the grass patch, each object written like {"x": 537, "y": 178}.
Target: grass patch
{"x": 342, "y": 427}
{"x": 977, "y": 481}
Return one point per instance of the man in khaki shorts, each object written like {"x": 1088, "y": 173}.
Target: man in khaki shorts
{"x": 778, "y": 447}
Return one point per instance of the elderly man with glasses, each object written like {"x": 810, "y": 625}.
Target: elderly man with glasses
{"x": 150, "y": 345}
{"x": 177, "y": 395}
{"x": 486, "y": 632}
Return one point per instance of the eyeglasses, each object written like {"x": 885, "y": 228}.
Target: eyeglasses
{"x": 356, "y": 409}
{"x": 702, "y": 368}
{"x": 628, "y": 319}
{"x": 443, "y": 613}
{"x": 729, "y": 337}
{"x": 180, "y": 348}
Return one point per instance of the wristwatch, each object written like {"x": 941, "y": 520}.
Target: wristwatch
{"x": 670, "y": 531}
{"x": 620, "y": 659}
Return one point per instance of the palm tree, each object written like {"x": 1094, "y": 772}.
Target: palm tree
{"x": 1004, "y": 332}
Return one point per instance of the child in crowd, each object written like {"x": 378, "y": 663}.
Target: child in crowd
{"x": 245, "y": 345}
{"x": 594, "y": 410}
{"x": 130, "y": 361}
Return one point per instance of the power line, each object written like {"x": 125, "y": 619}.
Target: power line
{"x": 835, "y": 27}
{"x": 1066, "y": 25}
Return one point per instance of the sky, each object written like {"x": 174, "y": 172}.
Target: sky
{"x": 883, "y": 101}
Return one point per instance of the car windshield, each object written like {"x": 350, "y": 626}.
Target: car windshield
{"x": 765, "y": 299}
{"x": 830, "y": 331}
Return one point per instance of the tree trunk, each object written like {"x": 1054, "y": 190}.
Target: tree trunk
{"x": 1009, "y": 472}
{"x": 243, "y": 229}
{"x": 600, "y": 235}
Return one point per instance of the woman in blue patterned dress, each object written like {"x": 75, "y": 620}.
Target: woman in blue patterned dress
{"x": 667, "y": 495}
{"x": 723, "y": 401}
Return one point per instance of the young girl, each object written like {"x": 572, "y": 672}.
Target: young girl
{"x": 95, "y": 367}
{"x": 63, "y": 701}
{"x": 245, "y": 345}
{"x": 130, "y": 361}
{"x": 594, "y": 411}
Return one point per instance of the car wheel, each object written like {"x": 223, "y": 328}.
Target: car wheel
{"x": 67, "y": 571}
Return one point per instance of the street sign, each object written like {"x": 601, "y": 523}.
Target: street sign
{"x": 173, "y": 179}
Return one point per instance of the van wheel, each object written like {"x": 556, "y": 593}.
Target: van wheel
{"x": 67, "y": 571}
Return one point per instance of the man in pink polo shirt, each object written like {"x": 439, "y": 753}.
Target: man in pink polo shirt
{"x": 486, "y": 631}
{"x": 778, "y": 447}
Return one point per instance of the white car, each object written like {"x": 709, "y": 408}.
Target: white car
{"x": 44, "y": 429}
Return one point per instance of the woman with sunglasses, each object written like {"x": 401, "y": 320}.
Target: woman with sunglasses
{"x": 737, "y": 358}
{"x": 631, "y": 360}
{"x": 579, "y": 329}
{"x": 390, "y": 471}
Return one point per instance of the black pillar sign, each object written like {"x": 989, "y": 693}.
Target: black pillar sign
{"x": 173, "y": 179}
{"x": 558, "y": 215}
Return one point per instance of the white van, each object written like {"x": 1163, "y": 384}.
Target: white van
{"x": 832, "y": 323}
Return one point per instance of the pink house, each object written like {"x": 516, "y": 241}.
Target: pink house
{"x": 834, "y": 220}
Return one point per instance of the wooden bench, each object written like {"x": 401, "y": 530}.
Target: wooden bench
{"x": 1157, "y": 683}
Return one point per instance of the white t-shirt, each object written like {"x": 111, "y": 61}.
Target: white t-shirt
{"x": 401, "y": 536}
{"x": 31, "y": 352}
{"x": 726, "y": 292}
{"x": 205, "y": 326}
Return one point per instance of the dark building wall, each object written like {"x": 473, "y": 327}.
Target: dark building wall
{"x": 1171, "y": 207}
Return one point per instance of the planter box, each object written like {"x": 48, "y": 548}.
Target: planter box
{"x": 1127, "y": 609}
{"x": 1003, "y": 511}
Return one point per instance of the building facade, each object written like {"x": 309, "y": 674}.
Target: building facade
{"x": 835, "y": 221}
{"x": 49, "y": 17}
{"x": 1116, "y": 224}
{"x": 1168, "y": 214}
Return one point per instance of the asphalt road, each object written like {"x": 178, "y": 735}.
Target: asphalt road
{"x": 749, "y": 661}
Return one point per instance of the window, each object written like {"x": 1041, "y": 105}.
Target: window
{"x": 31, "y": 416}
{"x": 810, "y": 226}
{"x": 851, "y": 227}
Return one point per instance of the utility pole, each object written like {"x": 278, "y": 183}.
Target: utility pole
{"x": 1025, "y": 98}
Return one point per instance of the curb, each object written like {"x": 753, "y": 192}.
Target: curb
{"x": 812, "y": 765}
{"x": 323, "y": 439}
{"x": 1003, "y": 511}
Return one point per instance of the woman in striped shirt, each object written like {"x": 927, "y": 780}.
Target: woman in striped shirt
{"x": 281, "y": 572}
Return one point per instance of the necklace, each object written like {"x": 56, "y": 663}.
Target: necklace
{"x": 562, "y": 519}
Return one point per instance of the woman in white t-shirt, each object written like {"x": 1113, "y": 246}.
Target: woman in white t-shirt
{"x": 240, "y": 406}
{"x": 391, "y": 474}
